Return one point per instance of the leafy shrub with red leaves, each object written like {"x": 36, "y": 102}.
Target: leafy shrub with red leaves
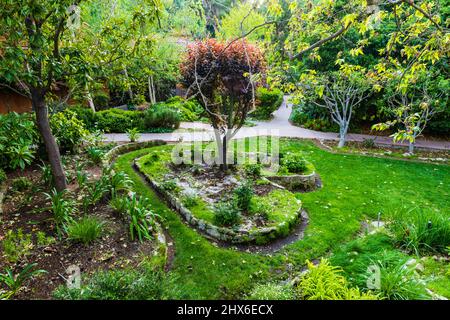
{"x": 222, "y": 76}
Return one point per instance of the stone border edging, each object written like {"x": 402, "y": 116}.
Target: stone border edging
{"x": 294, "y": 181}
{"x": 259, "y": 236}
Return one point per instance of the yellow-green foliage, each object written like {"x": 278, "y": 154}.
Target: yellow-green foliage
{"x": 326, "y": 282}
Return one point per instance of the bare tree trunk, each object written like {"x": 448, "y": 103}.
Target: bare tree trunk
{"x": 342, "y": 135}
{"x": 411, "y": 147}
{"x": 151, "y": 90}
{"x": 89, "y": 99}
{"x": 224, "y": 164}
{"x": 130, "y": 92}
{"x": 54, "y": 157}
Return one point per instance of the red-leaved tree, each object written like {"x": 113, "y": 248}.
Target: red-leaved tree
{"x": 223, "y": 77}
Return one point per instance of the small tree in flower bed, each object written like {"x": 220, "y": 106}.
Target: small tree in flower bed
{"x": 223, "y": 77}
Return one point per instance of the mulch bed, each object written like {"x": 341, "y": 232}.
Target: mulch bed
{"x": 29, "y": 211}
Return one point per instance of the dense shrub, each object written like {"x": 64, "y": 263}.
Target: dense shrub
{"x": 86, "y": 115}
{"x": 226, "y": 214}
{"x": 268, "y": 102}
{"x": 118, "y": 120}
{"x": 160, "y": 116}
{"x": 18, "y": 140}
{"x": 189, "y": 110}
{"x": 294, "y": 163}
{"x": 68, "y": 130}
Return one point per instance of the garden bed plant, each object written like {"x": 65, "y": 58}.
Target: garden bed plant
{"x": 240, "y": 205}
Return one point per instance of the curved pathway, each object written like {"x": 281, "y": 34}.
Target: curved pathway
{"x": 279, "y": 125}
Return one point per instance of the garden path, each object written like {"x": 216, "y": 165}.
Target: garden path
{"x": 279, "y": 125}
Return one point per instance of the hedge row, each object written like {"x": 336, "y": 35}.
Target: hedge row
{"x": 161, "y": 117}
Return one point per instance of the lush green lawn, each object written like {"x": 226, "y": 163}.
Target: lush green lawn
{"x": 354, "y": 188}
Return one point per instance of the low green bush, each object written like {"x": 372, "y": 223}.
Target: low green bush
{"x": 86, "y": 115}
{"x": 62, "y": 209}
{"x": 21, "y": 184}
{"x": 226, "y": 214}
{"x": 189, "y": 110}
{"x": 16, "y": 245}
{"x": 133, "y": 134}
{"x": 252, "y": 170}
{"x": 294, "y": 163}
{"x": 268, "y": 102}
{"x": 18, "y": 140}
{"x": 85, "y": 230}
{"x": 118, "y": 120}
{"x": 326, "y": 282}
{"x": 68, "y": 130}
{"x": 160, "y": 116}
{"x": 243, "y": 195}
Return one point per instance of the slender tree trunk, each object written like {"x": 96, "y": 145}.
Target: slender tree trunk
{"x": 54, "y": 157}
{"x": 411, "y": 147}
{"x": 130, "y": 91}
{"x": 342, "y": 135}
{"x": 224, "y": 153}
{"x": 89, "y": 99}
{"x": 151, "y": 90}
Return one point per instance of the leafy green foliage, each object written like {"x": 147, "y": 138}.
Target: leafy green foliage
{"x": 18, "y": 139}
{"x": 62, "y": 209}
{"x": 2, "y": 176}
{"x": 95, "y": 154}
{"x": 420, "y": 231}
{"x": 21, "y": 184}
{"x": 133, "y": 134}
{"x": 117, "y": 120}
{"x": 268, "y": 101}
{"x": 226, "y": 214}
{"x": 85, "y": 230}
{"x": 189, "y": 110}
{"x": 137, "y": 210}
{"x": 294, "y": 162}
{"x": 252, "y": 170}
{"x": 17, "y": 245}
{"x": 69, "y": 131}
{"x": 128, "y": 284}
{"x": 398, "y": 282}
{"x": 325, "y": 282}
{"x": 160, "y": 116}
{"x": 243, "y": 195}
{"x": 15, "y": 282}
